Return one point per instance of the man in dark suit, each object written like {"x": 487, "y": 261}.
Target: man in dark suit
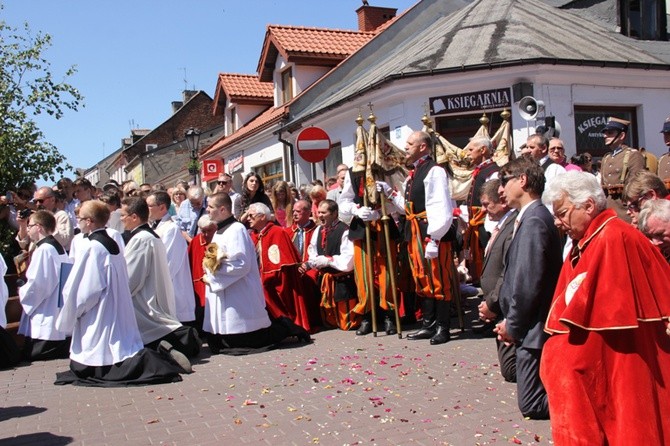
{"x": 493, "y": 268}
{"x": 532, "y": 266}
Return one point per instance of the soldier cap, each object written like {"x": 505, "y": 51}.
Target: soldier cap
{"x": 616, "y": 124}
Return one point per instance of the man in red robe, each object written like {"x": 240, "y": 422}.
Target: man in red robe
{"x": 606, "y": 365}
{"x": 279, "y": 261}
{"x": 196, "y": 254}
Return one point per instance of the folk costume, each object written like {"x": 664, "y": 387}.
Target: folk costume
{"x": 340, "y": 307}
{"x": 282, "y": 282}
{"x": 106, "y": 347}
{"x": 153, "y": 295}
{"x": 606, "y": 366}
{"x": 350, "y": 200}
{"x": 41, "y": 301}
{"x": 428, "y": 211}
{"x": 177, "y": 257}
{"x": 476, "y": 237}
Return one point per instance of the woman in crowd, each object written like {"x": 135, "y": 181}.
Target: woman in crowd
{"x": 253, "y": 191}
{"x": 282, "y": 203}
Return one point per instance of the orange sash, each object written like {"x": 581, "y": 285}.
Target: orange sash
{"x": 337, "y": 314}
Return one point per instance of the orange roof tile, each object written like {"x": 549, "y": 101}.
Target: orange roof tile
{"x": 297, "y": 39}
{"x": 244, "y": 86}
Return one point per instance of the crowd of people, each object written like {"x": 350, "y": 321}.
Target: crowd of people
{"x": 130, "y": 281}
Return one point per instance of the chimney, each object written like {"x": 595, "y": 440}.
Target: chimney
{"x": 372, "y": 17}
{"x": 176, "y": 105}
{"x": 188, "y": 94}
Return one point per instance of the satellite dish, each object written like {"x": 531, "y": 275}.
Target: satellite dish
{"x": 529, "y": 108}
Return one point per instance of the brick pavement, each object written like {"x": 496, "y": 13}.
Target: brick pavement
{"x": 339, "y": 390}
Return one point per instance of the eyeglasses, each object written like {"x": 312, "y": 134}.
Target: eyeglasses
{"x": 83, "y": 218}
{"x": 40, "y": 200}
{"x": 636, "y": 205}
{"x": 556, "y": 149}
{"x": 563, "y": 213}
{"x": 222, "y": 183}
{"x": 33, "y": 224}
{"x": 506, "y": 179}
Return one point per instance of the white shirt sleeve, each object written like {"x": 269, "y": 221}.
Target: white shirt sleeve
{"x": 439, "y": 206}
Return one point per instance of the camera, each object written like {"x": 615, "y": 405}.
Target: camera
{"x": 25, "y": 213}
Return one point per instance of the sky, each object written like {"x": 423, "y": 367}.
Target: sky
{"x": 134, "y": 58}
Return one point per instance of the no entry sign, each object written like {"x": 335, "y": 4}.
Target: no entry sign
{"x": 313, "y": 144}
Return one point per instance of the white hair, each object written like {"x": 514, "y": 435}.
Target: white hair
{"x": 653, "y": 208}
{"x": 260, "y": 208}
{"x": 196, "y": 192}
{"x": 205, "y": 221}
{"x": 578, "y": 187}
{"x": 482, "y": 141}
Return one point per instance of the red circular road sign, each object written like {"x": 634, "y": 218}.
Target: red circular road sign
{"x": 313, "y": 144}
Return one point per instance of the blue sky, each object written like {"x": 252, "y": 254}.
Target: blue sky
{"x": 135, "y": 57}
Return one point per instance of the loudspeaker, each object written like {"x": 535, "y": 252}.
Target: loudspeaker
{"x": 529, "y": 108}
{"x": 520, "y": 90}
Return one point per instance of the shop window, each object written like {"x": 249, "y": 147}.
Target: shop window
{"x": 459, "y": 129}
{"x": 589, "y": 122}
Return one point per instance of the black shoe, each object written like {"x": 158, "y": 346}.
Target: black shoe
{"x": 423, "y": 333}
{"x": 365, "y": 328}
{"x": 389, "y": 326}
{"x": 168, "y": 351}
{"x": 295, "y": 330}
{"x": 441, "y": 336}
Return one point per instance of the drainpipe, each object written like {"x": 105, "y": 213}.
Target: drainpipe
{"x": 291, "y": 158}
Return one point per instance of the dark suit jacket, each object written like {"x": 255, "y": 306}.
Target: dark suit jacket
{"x": 532, "y": 266}
{"x": 494, "y": 264}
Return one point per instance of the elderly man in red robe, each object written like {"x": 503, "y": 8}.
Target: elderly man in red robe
{"x": 196, "y": 254}
{"x": 279, "y": 262}
{"x": 606, "y": 365}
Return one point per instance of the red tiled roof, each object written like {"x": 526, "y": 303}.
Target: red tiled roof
{"x": 321, "y": 46}
{"x": 269, "y": 117}
{"x": 243, "y": 86}
{"x": 297, "y": 39}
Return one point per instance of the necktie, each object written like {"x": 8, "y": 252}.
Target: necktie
{"x": 299, "y": 241}
{"x": 516, "y": 226}
{"x": 154, "y": 225}
{"x": 494, "y": 234}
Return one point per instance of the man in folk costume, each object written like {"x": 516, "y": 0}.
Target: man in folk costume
{"x": 606, "y": 365}
{"x": 106, "y": 347}
{"x": 176, "y": 249}
{"x": 331, "y": 253}
{"x": 480, "y": 152}
{"x": 358, "y": 202}
{"x": 428, "y": 211}
{"x": 40, "y": 296}
{"x": 279, "y": 261}
{"x": 235, "y": 314}
{"x": 153, "y": 294}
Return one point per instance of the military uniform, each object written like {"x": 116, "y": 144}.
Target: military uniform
{"x": 617, "y": 167}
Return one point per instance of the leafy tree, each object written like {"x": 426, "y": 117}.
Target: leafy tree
{"x": 28, "y": 89}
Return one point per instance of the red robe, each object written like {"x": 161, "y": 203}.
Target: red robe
{"x": 196, "y": 254}
{"x": 606, "y": 367}
{"x": 282, "y": 282}
{"x": 308, "y": 231}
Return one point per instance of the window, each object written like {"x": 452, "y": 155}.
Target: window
{"x": 589, "y": 122}
{"x": 233, "y": 120}
{"x": 270, "y": 173}
{"x": 643, "y": 19}
{"x": 286, "y": 85}
{"x": 334, "y": 158}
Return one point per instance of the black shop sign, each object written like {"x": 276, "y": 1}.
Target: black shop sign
{"x": 477, "y": 100}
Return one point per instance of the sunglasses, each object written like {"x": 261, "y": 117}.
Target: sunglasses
{"x": 506, "y": 179}
{"x": 222, "y": 183}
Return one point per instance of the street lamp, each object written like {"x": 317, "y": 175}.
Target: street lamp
{"x": 192, "y": 137}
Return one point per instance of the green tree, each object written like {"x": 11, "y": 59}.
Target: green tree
{"x": 28, "y": 89}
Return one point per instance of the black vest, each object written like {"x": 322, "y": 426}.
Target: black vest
{"x": 546, "y": 164}
{"x": 345, "y": 287}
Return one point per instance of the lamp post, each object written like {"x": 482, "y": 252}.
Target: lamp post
{"x": 192, "y": 137}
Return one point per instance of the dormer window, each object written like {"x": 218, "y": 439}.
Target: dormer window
{"x": 643, "y": 19}
{"x": 286, "y": 85}
{"x": 233, "y": 120}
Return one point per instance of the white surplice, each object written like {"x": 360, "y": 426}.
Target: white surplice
{"x": 153, "y": 295}
{"x": 39, "y": 295}
{"x": 79, "y": 242}
{"x": 4, "y": 293}
{"x": 234, "y": 295}
{"x": 98, "y": 308}
{"x": 176, "y": 248}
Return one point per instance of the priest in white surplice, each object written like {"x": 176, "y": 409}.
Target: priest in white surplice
{"x": 40, "y": 296}
{"x": 235, "y": 313}
{"x": 176, "y": 248}
{"x": 152, "y": 291}
{"x": 97, "y": 308}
